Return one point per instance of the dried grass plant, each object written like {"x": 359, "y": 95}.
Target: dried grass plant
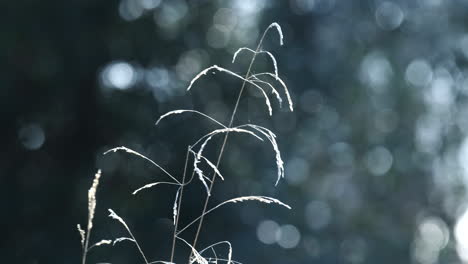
{"x": 261, "y": 81}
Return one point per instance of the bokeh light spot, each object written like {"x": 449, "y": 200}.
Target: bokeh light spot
{"x": 31, "y": 136}
{"x": 440, "y": 94}
{"x": 250, "y": 7}
{"x": 218, "y": 36}
{"x": 118, "y": 75}
{"x": 434, "y": 231}
{"x": 266, "y": 231}
{"x": 302, "y": 6}
{"x": 389, "y": 15}
{"x": 379, "y": 161}
{"x": 189, "y": 64}
{"x": 376, "y": 71}
{"x": 157, "y": 78}
{"x": 288, "y": 236}
{"x": 170, "y": 13}
{"x": 130, "y": 9}
{"x": 225, "y": 17}
{"x": 432, "y": 236}
{"x": 150, "y": 4}
{"x": 460, "y": 231}
{"x": 418, "y": 73}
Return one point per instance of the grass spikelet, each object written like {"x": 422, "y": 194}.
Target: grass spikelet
{"x": 273, "y": 59}
{"x": 85, "y": 236}
{"x": 82, "y": 234}
{"x": 102, "y": 242}
{"x": 188, "y": 111}
{"x": 174, "y": 207}
{"x": 113, "y": 215}
{"x": 216, "y": 67}
{"x": 278, "y": 28}
{"x": 92, "y": 200}
{"x": 207, "y": 138}
{"x": 122, "y": 148}
{"x": 201, "y": 177}
{"x": 286, "y": 91}
{"x": 215, "y": 169}
{"x": 198, "y": 258}
{"x": 121, "y": 239}
{"x": 273, "y": 90}
{"x": 272, "y": 138}
{"x": 275, "y": 65}
{"x": 149, "y": 185}
{"x": 262, "y": 199}
{"x": 238, "y": 51}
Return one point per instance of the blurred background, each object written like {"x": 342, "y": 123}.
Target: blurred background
{"x": 376, "y": 150}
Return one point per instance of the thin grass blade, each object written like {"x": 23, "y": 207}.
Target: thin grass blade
{"x": 131, "y": 151}
{"x": 175, "y": 112}
{"x": 216, "y": 67}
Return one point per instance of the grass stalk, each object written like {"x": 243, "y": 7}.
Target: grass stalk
{"x": 251, "y": 129}
{"x": 179, "y": 205}
{"x": 85, "y": 250}
{"x": 231, "y": 122}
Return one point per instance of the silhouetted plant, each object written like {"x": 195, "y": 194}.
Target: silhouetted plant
{"x": 260, "y": 81}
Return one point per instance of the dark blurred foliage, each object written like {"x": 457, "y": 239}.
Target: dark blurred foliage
{"x": 376, "y": 150}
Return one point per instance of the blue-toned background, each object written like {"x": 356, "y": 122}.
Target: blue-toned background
{"x": 376, "y": 150}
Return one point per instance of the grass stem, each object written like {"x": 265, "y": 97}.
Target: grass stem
{"x": 179, "y": 205}
{"x": 231, "y": 122}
